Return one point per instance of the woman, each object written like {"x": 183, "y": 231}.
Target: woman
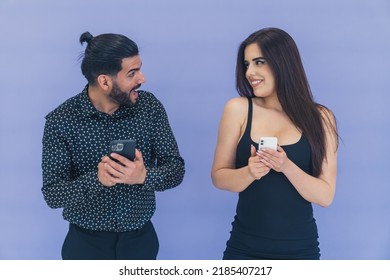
{"x": 274, "y": 215}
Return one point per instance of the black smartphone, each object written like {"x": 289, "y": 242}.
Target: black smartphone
{"x": 124, "y": 148}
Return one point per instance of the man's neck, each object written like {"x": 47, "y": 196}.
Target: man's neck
{"x": 101, "y": 101}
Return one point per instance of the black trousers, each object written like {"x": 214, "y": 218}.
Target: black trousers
{"x": 84, "y": 244}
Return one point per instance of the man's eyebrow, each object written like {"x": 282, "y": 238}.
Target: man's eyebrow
{"x": 134, "y": 69}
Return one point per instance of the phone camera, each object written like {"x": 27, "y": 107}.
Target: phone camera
{"x": 117, "y": 147}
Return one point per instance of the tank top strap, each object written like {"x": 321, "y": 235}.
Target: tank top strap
{"x": 243, "y": 151}
{"x": 247, "y": 132}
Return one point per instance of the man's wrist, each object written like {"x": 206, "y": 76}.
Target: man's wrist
{"x": 144, "y": 174}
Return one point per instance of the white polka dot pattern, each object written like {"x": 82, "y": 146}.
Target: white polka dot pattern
{"x": 76, "y": 136}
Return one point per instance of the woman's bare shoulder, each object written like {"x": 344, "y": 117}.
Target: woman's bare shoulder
{"x": 237, "y": 105}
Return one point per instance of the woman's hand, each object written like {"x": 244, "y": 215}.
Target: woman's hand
{"x": 277, "y": 160}
{"x": 256, "y": 167}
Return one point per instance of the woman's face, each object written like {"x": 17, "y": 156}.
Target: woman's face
{"x": 258, "y": 73}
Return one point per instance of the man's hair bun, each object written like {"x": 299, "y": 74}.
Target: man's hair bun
{"x": 86, "y": 37}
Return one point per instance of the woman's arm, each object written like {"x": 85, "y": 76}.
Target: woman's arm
{"x": 224, "y": 174}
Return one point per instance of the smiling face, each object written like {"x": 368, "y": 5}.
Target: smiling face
{"x": 258, "y": 72}
{"x": 127, "y": 81}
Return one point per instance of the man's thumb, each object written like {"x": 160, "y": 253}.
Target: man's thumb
{"x": 138, "y": 155}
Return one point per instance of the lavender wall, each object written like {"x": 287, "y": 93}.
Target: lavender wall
{"x": 188, "y": 50}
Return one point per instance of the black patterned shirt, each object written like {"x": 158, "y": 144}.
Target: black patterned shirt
{"x": 77, "y": 136}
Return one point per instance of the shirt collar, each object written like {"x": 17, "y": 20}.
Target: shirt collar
{"x": 88, "y": 110}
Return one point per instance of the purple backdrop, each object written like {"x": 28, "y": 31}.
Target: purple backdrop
{"x": 188, "y": 50}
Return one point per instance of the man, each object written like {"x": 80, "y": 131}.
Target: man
{"x": 109, "y": 201}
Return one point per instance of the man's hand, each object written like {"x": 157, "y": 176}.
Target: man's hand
{"x": 124, "y": 171}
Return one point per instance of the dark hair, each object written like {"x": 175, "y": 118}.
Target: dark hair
{"x": 281, "y": 54}
{"x": 104, "y": 54}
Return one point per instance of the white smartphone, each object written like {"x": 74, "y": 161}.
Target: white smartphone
{"x": 268, "y": 142}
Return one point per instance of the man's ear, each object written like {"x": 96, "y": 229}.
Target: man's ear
{"x": 105, "y": 82}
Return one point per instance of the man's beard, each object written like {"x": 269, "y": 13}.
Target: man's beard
{"x": 121, "y": 97}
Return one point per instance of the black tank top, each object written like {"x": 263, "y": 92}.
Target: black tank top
{"x": 272, "y": 219}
